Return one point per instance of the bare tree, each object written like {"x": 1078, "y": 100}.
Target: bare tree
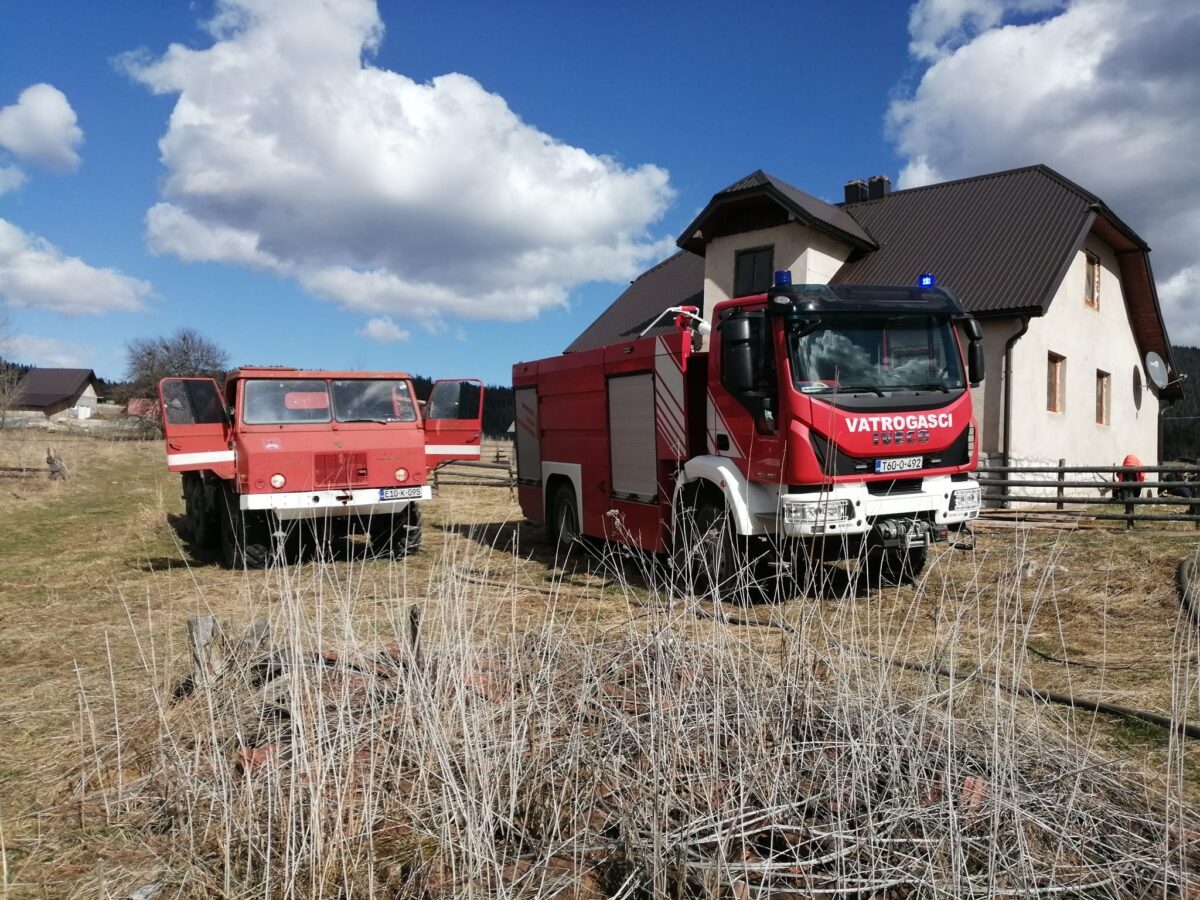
{"x": 10, "y": 375}
{"x": 185, "y": 354}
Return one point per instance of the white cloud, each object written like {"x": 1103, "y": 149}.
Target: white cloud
{"x": 287, "y": 152}
{"x": 51, "y": 352}
{"x": 384, "y": 330}
{"x": 1105, "y": 92}
{"x": 11, "y": 178}
{"x": 937, "y": 27}
{"x": 35, "y": 273}
{"x": 40, "y": 128}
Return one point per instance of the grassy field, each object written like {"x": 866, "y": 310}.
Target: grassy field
{"x": 96, "y": 586}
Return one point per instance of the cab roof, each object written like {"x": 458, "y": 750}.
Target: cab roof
{"x": 286, "y": 372}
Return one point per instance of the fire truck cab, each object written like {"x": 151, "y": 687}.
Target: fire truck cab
{"x": 287, "y": 459}
{"x": 820, "y": 422}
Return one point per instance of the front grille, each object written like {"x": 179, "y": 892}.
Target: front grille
{"x": 332, "y": 470}
{"x": 895, "y": 486}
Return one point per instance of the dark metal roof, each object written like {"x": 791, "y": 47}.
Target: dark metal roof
{"x": 676, "y": 281}
{"x": 45, "y": 387}
{"x": 760, "y": 200}
{"x": 999, "y": 241}
{"x": 1003, "y": 242}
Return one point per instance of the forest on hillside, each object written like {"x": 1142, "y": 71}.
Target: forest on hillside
{"x": 1181, "y": 421}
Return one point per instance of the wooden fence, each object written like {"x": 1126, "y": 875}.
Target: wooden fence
{"x": 1168, "y": 494}
{"x": 494, "y": 469}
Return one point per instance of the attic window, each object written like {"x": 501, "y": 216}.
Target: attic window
{"x": 1091, "y": 294}
{"x": 752, "y": 270}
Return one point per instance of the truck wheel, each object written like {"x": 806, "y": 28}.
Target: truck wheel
{"x": 715, "y": 566}
{"x": 564, "y": 519}
{"x": 202, "y": 524}
{"x": 397, "y": 534}
{"x": 896, "y": 566}
{"x": 245, "y": 543}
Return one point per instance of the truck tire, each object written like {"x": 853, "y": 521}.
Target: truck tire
{"x": 202, "y": 522}
{"x": 896, "y": 566}
{"x": 715, "y": 564}
{"x": 563, "y": 524}
{"x": 245, "y": 543}
{"x": 397, "y": 534}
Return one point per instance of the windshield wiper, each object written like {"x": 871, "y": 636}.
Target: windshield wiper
{"x": 375, "y": 421}
{"x": 860, "y": 389}
{"x": 926, "y": 386}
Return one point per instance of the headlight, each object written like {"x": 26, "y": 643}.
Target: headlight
{"x": 821, "y": 512}
{"x": 967, "y": 498}
{"x": 402, "y": 474}
{"x": 278, "y": 481}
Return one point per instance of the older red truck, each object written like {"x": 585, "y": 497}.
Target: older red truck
{"x": 285, "y": 459}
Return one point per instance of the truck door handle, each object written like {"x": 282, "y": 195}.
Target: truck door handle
{"x": 173, "y": 445}
{"x": 722, "y": 442}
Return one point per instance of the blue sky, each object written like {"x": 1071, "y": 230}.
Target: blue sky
{"x": 311, "y": 184}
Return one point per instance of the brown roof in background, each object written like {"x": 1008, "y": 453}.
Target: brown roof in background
{"x": 998, "y": 241}
{"x": 759, "y": 201}
{"x": 45, "y": 387}
{"x": 676, "y": 281}
{"x": 1002, "y": 242}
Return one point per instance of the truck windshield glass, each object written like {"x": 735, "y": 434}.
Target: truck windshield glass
{"x": 272, "y": 401}
{"x": 846, "y": 353}
{"x": 371, "y": 400}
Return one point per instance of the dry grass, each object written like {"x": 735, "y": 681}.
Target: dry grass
{"x": 480, "y": 769}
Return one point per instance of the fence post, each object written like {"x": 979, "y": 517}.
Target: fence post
{"x": 1060, "y": 490}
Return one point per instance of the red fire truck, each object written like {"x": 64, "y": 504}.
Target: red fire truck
{"x": 822, "y": 421}
{"x": 337, "y": 452}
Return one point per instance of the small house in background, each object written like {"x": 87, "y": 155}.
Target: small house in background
{"x": 1077, "y": 355}
{"x": 57, "y": 393}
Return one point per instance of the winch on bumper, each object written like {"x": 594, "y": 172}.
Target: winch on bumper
{"x": 902, "y": 518}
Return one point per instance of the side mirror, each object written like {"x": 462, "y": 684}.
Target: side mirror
{"x": 971, "y": 327}
{"x": 975, "y": 361}
{"x": 737, "y": 355}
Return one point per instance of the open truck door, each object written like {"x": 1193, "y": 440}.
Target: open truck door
{"x": 196, "y": 426}
{"x": 453, "y": 421}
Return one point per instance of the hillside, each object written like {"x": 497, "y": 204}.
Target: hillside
{"x": 1181, "y": 422}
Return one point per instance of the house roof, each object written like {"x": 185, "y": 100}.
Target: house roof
{"x": 45, "y": 387}
{"x": 676, "y": 281}
{"x": 1002, "y": 241}
{"x": 759, "y": 201}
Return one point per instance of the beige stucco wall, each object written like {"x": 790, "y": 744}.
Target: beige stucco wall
{"x": 1089, "y": 340}
{"x": 987, "y": 400}
{"x": 813, "y": 258}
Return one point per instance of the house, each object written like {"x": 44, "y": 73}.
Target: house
{"x": 57, "y": 393}
{"x": 1061, "y": 286}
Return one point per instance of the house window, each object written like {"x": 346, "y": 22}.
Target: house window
{"x": 1102, "y": 398}
{"x": 1056, "y": 376}
{"x": 1091, "y": 294}
{"x": 752, "y": 271}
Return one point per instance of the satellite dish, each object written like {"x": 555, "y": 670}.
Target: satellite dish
{"x": 1156, "y": 370}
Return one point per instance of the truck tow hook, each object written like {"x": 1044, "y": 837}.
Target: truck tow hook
{"x": 344, "y": 497}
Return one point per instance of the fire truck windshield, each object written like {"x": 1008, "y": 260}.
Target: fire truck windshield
{"x": 373, "y": 400}
{"x": 856, "y": 352}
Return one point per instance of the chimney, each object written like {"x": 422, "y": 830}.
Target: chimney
{"x": 856, "y": 191}
{"x": 878, "y": 187}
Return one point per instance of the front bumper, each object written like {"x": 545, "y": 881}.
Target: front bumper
{"x": 863, "y": 509}
{"x": 315, "y": 504}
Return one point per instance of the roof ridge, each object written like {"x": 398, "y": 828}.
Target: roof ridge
{"x": 1041, "y": 168}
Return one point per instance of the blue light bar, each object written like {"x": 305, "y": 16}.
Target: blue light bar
{"x": 927, "y": 280}
{"x": 783, "y": 278}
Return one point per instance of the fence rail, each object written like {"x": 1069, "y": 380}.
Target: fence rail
{"x": 496, "y": 470}
{"x": 1176, "y": 486}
